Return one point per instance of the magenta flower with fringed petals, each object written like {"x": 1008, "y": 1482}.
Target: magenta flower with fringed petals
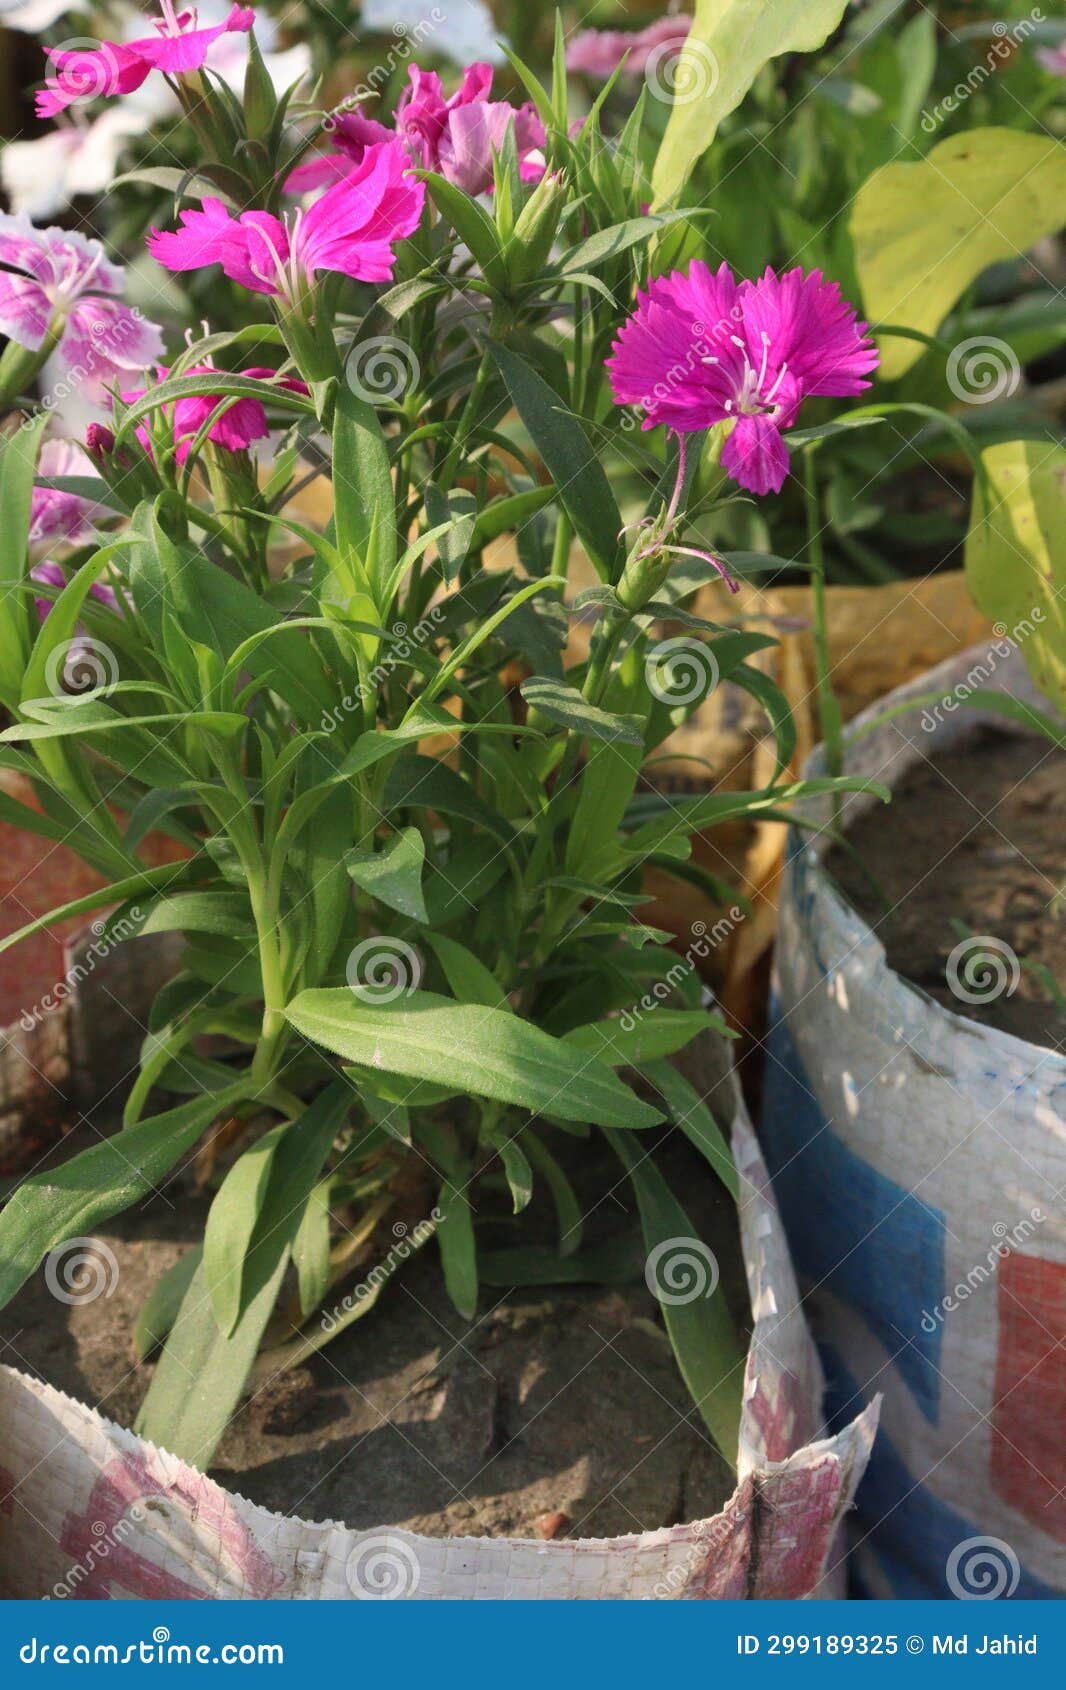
{"x": 351, "y": 229}
{"x": 59, "y": 288}
{"x": 115, "y": 67}
{"x": 455, "y": 137}
{"x": 702, "y": 348}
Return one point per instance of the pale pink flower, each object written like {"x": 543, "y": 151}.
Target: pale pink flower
{"x": 599, "y": 52}
{"x": 60, "y": 288}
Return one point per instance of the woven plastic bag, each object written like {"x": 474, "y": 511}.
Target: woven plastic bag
{"x": 89, "y": 1510}
{"x": 920, "y": 1162}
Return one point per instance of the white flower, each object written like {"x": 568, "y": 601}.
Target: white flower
{"x": 460, "y": 30}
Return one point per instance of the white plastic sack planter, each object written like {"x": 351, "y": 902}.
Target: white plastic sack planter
{"x": 89, "y": 1510}
{"x": 909, "y": 1148}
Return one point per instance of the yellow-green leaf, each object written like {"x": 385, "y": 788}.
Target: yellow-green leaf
{"x": 728, "y": 45}
{"x": 922, "y": 232}
{"x": 1016, "y": 554}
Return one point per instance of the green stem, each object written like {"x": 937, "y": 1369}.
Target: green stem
{"x": 466, "y": 422}
{"x": 828, "y": 704}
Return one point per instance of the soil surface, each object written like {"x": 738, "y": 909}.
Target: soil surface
{"x": 976, "y": 835}
{"x": 558, "y": 1412}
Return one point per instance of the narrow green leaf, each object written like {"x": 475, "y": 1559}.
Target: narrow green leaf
{"x": 705, "y": 1341}
{"x": 564, "y": 704}
{"x": 68, "y": 1201}
{"x": 469, "y": 1048}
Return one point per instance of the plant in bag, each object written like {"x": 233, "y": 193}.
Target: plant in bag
{"x": 411, "y": 805}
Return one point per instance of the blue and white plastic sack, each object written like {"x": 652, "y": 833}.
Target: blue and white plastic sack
{"x": 920, "y": 1163}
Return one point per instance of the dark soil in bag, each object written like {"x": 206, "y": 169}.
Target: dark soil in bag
{"x": 559, "y": 1411}
{"x": 974, "y": 836}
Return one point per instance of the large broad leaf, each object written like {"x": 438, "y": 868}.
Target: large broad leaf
{"x": 469, "y": 1047}
{"x": 705, "y": 1340}
{"x": 579, "y": 477}
{"x": 728, "y": 45}
{"x": 1016, "y": 555}
{"x": 922, "y": 232}
{"x": 69, "y": 1201}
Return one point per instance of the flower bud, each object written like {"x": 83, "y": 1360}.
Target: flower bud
{"x": 535, "y": 229}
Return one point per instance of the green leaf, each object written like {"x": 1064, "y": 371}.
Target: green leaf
{"x": 393, "y": 875}
{"x": 728, "y": 45}
{"x": 18, "y": 465}
{"x": 160, "y": 1308}
{"x": 310, "y": 1249}
{"x": 625, "y": 1043}
{"x": 68, "y": 1201}
{"x": 564, "y": 704}
{"x": 153, "y": 879}
{"x": 567, "y": 1208}
{"x": 469, "y": 1048}
{"x": 258, "y": 1207}
{"x": 466, "y": 974}
{"x": 689, "y": 1112}
{"x": 459, "y": 508}
{"x": 226, "y": 913}
{"x": 705, "y": 1341}
{"x": 200, "y": 1375}
{"x": 1016, "y": 555}
{"x": 364, "y": 507}
{"x": 610, "y": 243}
{"x": 455, "y": 1222}
{"x": 923, "y": 231}
{"x": 471, "y": 223}
{"x": 580, "y": 479}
